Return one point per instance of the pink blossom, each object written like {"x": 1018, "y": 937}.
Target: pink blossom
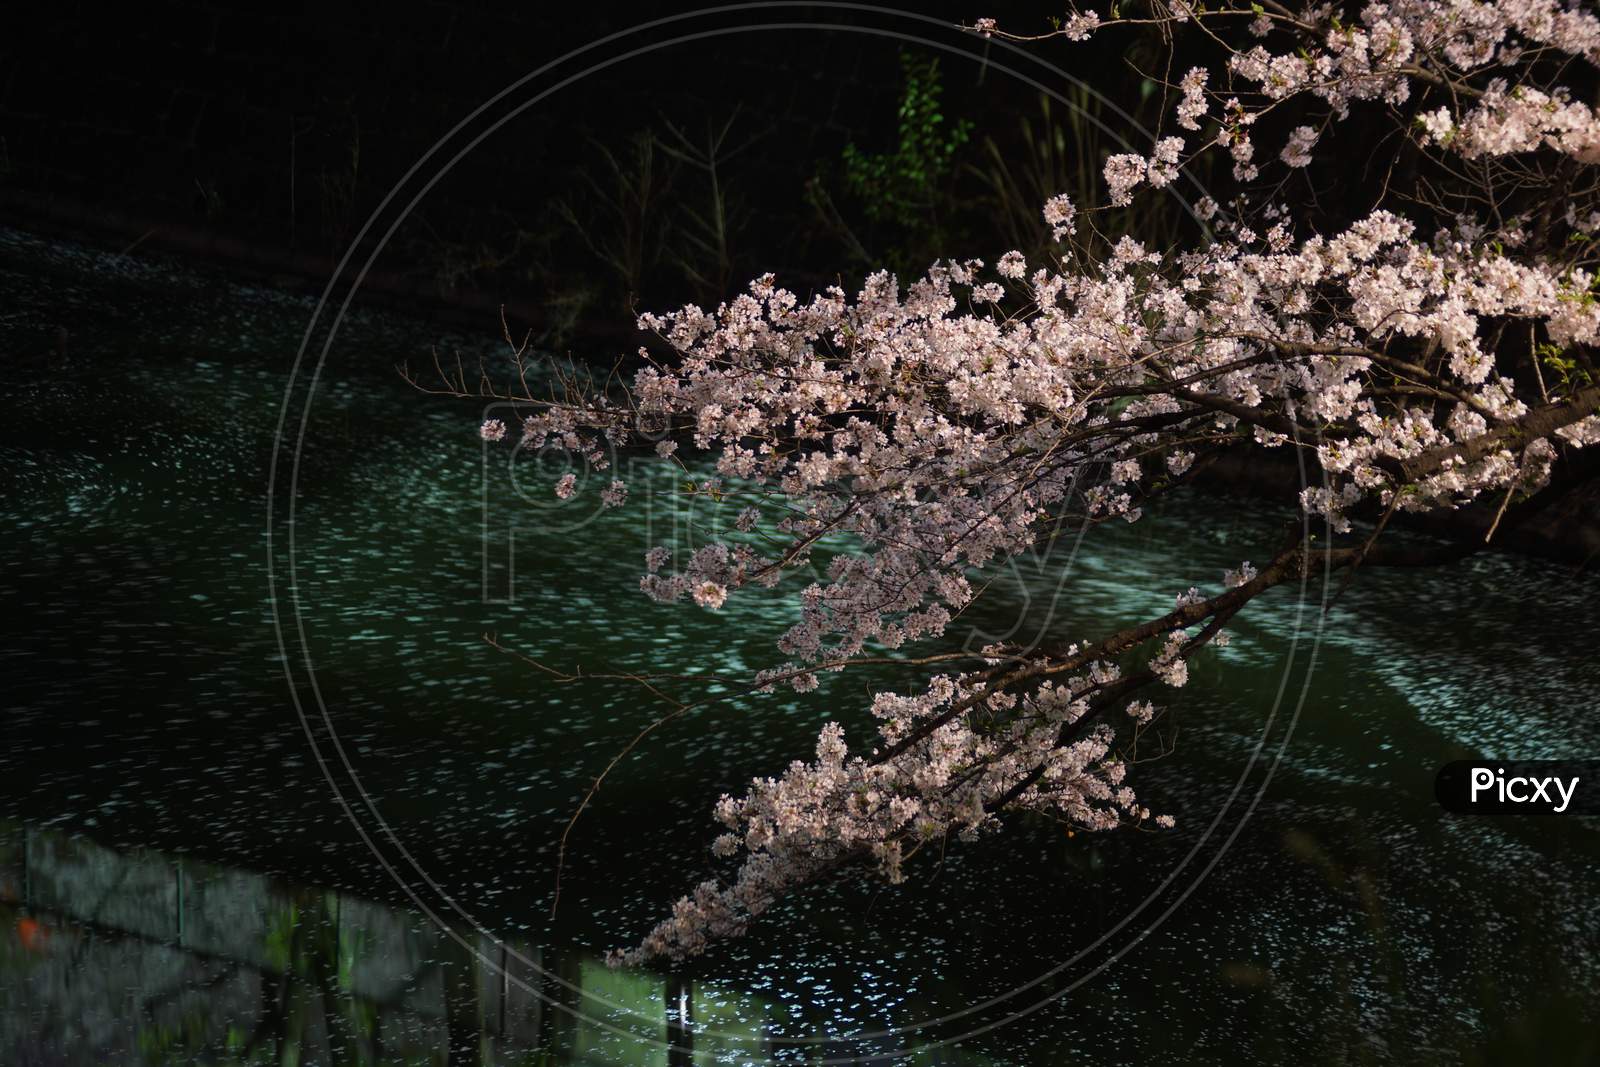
{"x": 1080, "y": 25}
{"x": 1059, "y": 213}
{"x": 1122, "y": 173}
{"x": 1193, "y": 105}
{"x": 1297, "y": 152}
{"x": 710, "y": 595}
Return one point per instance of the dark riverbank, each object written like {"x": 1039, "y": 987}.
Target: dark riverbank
{"x": 297, "y": 273}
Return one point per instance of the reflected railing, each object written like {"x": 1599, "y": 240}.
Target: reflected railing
{"x": 133, "y": 957}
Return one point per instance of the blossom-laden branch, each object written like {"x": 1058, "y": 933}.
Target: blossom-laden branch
{"x": 1479, "y": 63}
{"x": 916, "y": 437}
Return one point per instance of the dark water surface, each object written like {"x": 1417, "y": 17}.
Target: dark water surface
{"x": 180, "y": 883}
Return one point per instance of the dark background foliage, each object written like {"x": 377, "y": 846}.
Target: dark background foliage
{"x": 266, "y": 137}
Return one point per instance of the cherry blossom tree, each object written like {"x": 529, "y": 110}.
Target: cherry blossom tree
{"x": 1432, "y": 349}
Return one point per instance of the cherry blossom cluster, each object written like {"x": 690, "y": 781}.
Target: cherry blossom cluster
{"x": 1480, "y": 61}
{"x": 942, "y": 777}
{"x": 933, "y": 439}
{"x": 1521, "y": 119}
{"x": 937, "y": 439}
{"x": 907, "y": 439}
